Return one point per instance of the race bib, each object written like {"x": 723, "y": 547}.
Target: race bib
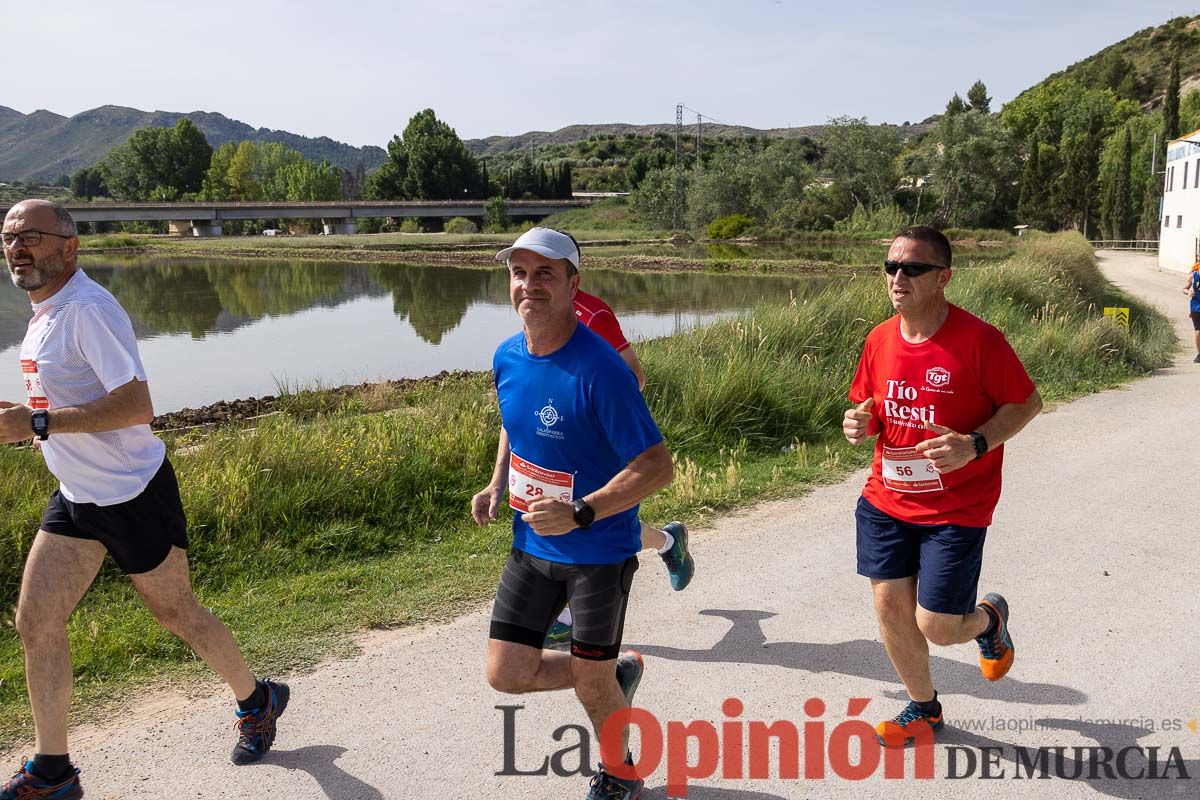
{"x": 906, "y": 470}
{"x": 527, "y": 482}
{"x": 33, "y": 384}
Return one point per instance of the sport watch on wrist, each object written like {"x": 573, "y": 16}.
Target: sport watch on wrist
{"x": 585, "y": 515}
{"x": 40, "y": 422}
{"x": 981, "y": 445}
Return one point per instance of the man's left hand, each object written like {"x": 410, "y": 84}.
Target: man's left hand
{"x": 949, "y": 450}
{"x": 15, "y": 422}
{"x": 550, "y": 517}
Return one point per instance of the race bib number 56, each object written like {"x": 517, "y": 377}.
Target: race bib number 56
{"x": 527, "y": 482}
{"x": 906, "y": 470}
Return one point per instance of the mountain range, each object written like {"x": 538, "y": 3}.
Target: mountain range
{"x": 42, "y": 146}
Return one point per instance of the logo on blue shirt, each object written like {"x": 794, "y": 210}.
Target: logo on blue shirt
{"x": 549, "y": 417}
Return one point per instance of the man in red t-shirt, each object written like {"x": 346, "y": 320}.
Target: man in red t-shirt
{"x": 943, "y": 390}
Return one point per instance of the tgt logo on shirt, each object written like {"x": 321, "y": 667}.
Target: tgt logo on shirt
{"x": 549, "y": 417}
{"x": 897, "y": 409}
{"x": 937, "y": 377}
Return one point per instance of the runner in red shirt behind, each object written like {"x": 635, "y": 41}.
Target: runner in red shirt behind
{"x": 943, "y": 390}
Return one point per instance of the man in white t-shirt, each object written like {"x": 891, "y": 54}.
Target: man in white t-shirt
{"x": 89, "y": 407}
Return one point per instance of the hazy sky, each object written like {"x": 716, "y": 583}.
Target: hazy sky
{"x": 356, "y": 71}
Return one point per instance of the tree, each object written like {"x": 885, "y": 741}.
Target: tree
{"x": 158, "y": 163}
{"x": 495, "y": 213}
{"x": 977, "y": 96}
{"x": 88, "y": 183}
{"x": 653, "y": 201}
{"x": 1171, "y": 101}
{"x": 861, "y": 159}
{"x": 748, "y": 181}
{"x": 974, "y": 169}
{"x": 1116, "y": 186}
{"x": 956, "y": 105}
{"x": 427, "y": 162}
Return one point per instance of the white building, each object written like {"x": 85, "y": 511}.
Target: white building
{"x": 1179, "y": 242}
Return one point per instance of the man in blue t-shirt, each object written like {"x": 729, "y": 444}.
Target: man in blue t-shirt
{"x": 1192, "y": 289}
{"x": 585, "y": 453}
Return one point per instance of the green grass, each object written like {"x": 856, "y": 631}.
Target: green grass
{"x": 338, "y": 516}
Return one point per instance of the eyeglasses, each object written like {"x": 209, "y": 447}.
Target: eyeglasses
{"x": 27, "y": 238}
{"x": 912, "y": 269}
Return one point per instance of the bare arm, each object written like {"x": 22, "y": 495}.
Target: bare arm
{"x": 123, "y": 407}
{"x": 951, "y": 450}
{"x": 641, "y": 477}
{"x": 1187, "y": 287}
{"x": 486, "y": 503}
{"x": 631, "y": 359}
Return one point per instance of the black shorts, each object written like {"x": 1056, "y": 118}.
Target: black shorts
{"x": 139, "y": 533}
{"x": 1196, "y": 320}
{"x": 533, "y": 591}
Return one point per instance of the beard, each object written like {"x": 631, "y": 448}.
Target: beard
{"x": 39, "y": 272}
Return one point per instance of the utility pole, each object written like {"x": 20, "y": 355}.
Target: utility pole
{"x": 678, "y": 216}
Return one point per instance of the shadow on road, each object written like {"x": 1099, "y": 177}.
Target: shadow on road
{"x": 1077, "y": 767}
{"x": 319, "y": 761}
{"x": 745, "y": 643}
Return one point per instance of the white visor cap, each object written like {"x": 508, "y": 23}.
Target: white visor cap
{"x": 546, "y": 242}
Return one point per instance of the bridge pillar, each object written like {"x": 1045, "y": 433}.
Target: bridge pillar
{"x": 339, "y": 226}
{"x": 197, "y": 227}
{"x": 206, "y": 227}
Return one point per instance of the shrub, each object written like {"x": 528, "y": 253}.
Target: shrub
{"x": 461, "y": 225}
{"x": 730, "y": 226}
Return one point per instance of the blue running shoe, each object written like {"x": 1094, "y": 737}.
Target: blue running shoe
{"x": 256, "y": 728}
{"x": 26, "y": 785}
{"x": 609, "y": 787}
{"x": 558, "y": 637}
{"x": 679, "y": 559}
{"x": 906, "y": 726}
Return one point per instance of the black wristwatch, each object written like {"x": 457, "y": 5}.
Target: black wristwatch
{"x": 981, "y": 445}
{"x": 40, "y": 422}
{"x": 585, "y": 515}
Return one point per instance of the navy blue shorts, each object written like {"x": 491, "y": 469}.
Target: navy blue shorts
{"x": 946, "y": 559}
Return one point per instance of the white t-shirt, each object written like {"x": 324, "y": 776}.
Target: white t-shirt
{"x": 79, "y": 347}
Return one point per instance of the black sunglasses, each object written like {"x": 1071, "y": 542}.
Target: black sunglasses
{"x": 912, "y": 269}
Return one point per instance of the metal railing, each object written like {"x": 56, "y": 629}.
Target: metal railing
{"x": 1145, "y": 245}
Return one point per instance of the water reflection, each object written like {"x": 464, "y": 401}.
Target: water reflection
{"x": 222, "y": 329}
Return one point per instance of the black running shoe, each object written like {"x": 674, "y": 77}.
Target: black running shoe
{"x": 256, "y": 728}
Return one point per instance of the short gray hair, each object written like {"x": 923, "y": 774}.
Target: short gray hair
{"x": 66, "y": 223}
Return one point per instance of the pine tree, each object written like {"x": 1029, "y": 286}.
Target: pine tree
{"x": 1171, "y": 102}
{"x": 977, "y": 96}
{"x": 1031, "y": 206}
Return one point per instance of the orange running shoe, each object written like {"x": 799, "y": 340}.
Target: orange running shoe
{"x": 996, "y": 650}
{"x": 909, "y": 724}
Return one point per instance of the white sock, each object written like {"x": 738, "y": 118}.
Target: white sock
{"x": 670, "y": 543}
{"x": 565, "y": 616}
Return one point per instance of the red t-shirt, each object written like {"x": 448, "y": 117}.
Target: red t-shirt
{"x": 599, "y": 318}
{"x": 956, "y": 379}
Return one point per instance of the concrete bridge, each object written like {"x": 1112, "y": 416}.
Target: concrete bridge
{"x": 204, "y": 219}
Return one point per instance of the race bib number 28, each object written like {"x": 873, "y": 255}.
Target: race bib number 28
{"x": 527, "y": 482}
{"x": 906, "y": 470}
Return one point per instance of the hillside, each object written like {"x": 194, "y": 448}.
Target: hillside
{"x": 499, "y": 145}
{"x": 1138, "y": 66}
{"x": 41, "y": 146}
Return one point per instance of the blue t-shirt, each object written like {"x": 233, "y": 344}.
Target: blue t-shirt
{"x": 1195, "y": 292}
{"x": 574, "y": 418}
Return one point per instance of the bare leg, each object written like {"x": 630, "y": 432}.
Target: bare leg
{"x": 58, "y": 572}
{"x": 896, "y": 607}
{"x": 167, "y": 591}
{"x": 598, "y": 691}
{"x": 517, "y": 669}
{"x": 652, "y": 538}
{"x": 948, "y": 629}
